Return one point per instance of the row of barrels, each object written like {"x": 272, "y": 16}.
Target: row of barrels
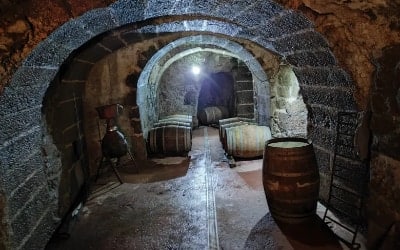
{"x": 242, "y": 137}
{"x": 289, "y": 172}
{"x": 171, "y": 135}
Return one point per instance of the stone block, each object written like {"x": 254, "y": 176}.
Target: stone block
{"x": 76, "y": 71}
{"x": 353, "y": 171}
{"x": 288, "y": 22}
{"x": 324, "y": 184}
{"x": 48, "y": 54}
{"x": 13, "y": 124}
{"x": 157, "y": 8}
{"x": 244, "y": 97}
{"x": 97, "y": 21}
{"x": 67, "y": 115}
{"x": 327, "y": 76}
{"x": 32, "y": 76}
{"x": 19, "y": 171}
{"x": 309, "y": 40}
{"x": 339, "y": 98}
{"x": 322, "y": 58}
{"x": 25, "y": 189}
{"x": 254, "y": 14}
{"x": 212, "y": 7}
{"x": 29, "y": 215}
{"x": 323, "y": 158}
{"x": 126, "y": 11}
{"x": 70, "y": 35}
{"x": 15, "y": 151}
{"x": 16, "y": 99}
{"x": 244, "y": 85}
{"x": 42, "y": 233}
{"x": 323, "y": 116}
{"x": 324, "y": 138}
{"x": 111, "y": 41}
{"x": 244, "y": 109}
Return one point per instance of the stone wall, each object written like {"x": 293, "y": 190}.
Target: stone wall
{"x": 364, "y": 36}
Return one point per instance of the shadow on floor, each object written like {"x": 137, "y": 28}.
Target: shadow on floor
{"x": 314, "y": 234}
{"x": 148, "y": 171}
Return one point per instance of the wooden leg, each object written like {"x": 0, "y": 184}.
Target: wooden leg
{"x": 115, "y": 170}
{"x": 99, "y": 168}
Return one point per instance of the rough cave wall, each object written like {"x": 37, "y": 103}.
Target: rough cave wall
{"x": 365, "y": 37}
{"x": 24, "y": 24}
{"x": 285, "y": 33}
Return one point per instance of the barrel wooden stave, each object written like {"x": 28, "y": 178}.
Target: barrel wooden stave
{"x": 162, "y": 123}
{"x": 177, "y": 118}
{"x": 170, "y": 140}
{"x": 246, "y": 141}
{"x": 224, "y": 127}
{"x": 291, "y": 181}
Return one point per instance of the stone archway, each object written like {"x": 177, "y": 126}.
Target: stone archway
{"x": 325, "y": 87}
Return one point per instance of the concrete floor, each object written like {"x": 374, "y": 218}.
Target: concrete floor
{"x": 189, "y": 203}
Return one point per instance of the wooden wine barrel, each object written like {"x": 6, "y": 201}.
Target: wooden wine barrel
{"x": 290, "y": 179}
{"x": 211, "y": 115}
{"x": 170, "y": 140}
{"x": 222, "y": 131}
{"x": 247, "y": 141}
{"x": 225, "y": 123}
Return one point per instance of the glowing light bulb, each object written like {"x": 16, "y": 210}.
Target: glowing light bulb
{"x": 196, "y": 70}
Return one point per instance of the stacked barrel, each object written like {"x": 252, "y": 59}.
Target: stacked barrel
{"x": 242, "y": 137}
{"x": 211, "y": 115}
{"x": 171, "y": 135}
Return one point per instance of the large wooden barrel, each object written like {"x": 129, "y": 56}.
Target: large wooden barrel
{"x": 247, "y": 141}
{"x": 170, "y": 140}
{"x": 222, "y": 131}
{"x": 290, "y": 179}
{"x": 211, "y": 115}
{"x": 230, "y": 120}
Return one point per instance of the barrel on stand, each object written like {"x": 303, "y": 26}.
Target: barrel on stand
{"x": 246, "y": 141}
{"x": 170, "y": 140}
{"x": 290, "y": 179}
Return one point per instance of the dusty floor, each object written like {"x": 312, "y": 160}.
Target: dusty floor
{"x": 189, "y": 203}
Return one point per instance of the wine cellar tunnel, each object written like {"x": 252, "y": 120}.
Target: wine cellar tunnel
{"x": 159, "y": 59}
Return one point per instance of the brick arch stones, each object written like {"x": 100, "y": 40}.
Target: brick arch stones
{"x": 326, "y": 89}
{"x": 260, "y": 81}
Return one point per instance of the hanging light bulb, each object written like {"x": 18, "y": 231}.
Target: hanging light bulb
{"x": 196, "y": 70}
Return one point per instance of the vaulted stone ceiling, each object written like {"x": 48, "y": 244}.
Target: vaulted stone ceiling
{"x": 357, "y": 31}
